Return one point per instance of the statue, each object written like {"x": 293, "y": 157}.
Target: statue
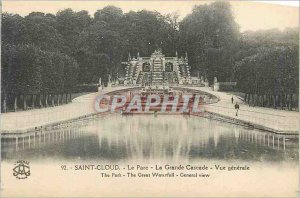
{"x": 100, "y": 81}
{"x": 129, "y": 57}
{"x": 109, "y": 84}
{"x": 216, "y": 84}
{"x": 215, "y": 80}
{"x": 157, "y": 52}
{"x": 109, "y": 78}
{"x": 100, "y": 87}
{"x": 117, "y": 79}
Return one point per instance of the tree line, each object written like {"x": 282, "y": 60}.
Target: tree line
{"x": 267, "y": 68}
{"x": 45, "y": 56}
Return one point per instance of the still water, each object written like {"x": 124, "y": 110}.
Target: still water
{"x": 175, "y": 138}
{"x": 150, "y": 141}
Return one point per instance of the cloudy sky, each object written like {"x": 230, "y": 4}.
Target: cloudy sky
{"x": 249, "y": 15}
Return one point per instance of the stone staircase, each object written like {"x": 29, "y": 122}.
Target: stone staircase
{"x": 127, "y": 72}
{"x": 135, "y": 72}
{"x": 140, "y": 78}
{"x": 157, "y": 77}
{"x": 184, "y": 71}
{"x": 171, "y": 78}
{"x": 144, "y": 78}
{"x": 131, "y": 72}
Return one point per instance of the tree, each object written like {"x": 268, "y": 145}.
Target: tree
{"x": 70, "y": 24}
{"x": 44, "y": 53}
{"x": 99, "y": 49}
{"x": 40, "y": 30}
{"x": 111, "y": 15}
{"x": 13, "y": 27}
{"x": 209, "y": 35}
{"x": 270, "y": 77}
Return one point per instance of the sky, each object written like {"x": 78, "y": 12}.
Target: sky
{"x": 288, "y": 2}
{"x": 249, "y": 15}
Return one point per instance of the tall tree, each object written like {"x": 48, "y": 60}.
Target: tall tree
{"x": 209, "y": 35}
{"x": 70, "y": 24}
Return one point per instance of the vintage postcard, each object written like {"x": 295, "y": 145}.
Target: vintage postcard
{"x": 149, "y": 98}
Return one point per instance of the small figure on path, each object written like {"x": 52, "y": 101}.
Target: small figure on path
{"x": 237, "y": 107}
{"x": 232, "y": 99}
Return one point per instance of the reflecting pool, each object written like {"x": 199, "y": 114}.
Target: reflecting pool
{"x": 150, "y": 141}
{"x": 148, "y": 137}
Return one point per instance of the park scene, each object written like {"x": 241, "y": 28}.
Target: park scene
{"x": 128, "y": 86}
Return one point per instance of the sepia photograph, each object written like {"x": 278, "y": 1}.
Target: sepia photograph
{"x": 169, "y": 98}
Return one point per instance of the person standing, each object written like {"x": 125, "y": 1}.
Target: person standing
{"x": 237, "y": 107}
{"x": 231, "y": 99}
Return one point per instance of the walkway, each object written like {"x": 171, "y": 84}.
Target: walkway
{"x": 270, "y": 119}
{"x": 279, "y": 121}
{"x": 27, "y": 120}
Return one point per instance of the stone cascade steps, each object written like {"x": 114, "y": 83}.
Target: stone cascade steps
{"x": 184, "y": 71}
{"x": 139, "y": 78}
{"x": 170, "y": 77}
{"x": 157, "y": 77}
{"x": 135, "y": 72}
{"x": 129, "y": 71}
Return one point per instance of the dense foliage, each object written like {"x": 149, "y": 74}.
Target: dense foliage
{"x": 51, "y": 54}
{"x": 267, "y": 67}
